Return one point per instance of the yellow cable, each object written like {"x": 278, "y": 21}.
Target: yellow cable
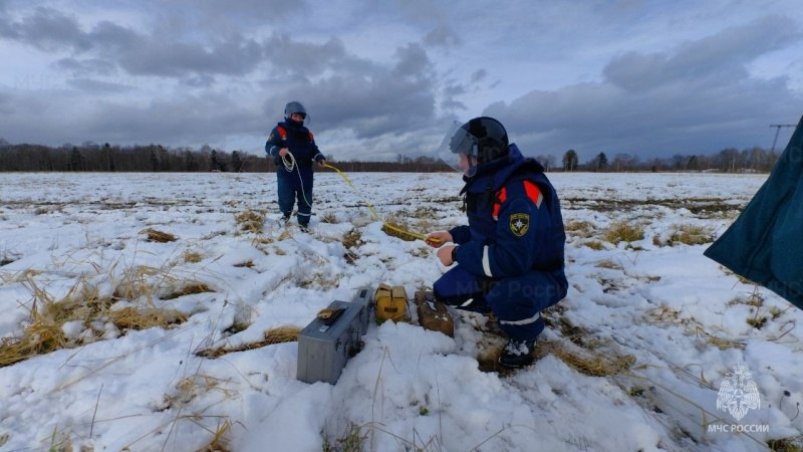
{"x": 350, "y": 184}
{"x": 374, "y": 215}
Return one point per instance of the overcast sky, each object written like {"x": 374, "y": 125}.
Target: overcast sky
{"x": 381, "y": 78}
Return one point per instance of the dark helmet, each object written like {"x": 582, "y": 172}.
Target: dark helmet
{"x": 294, "y": 107}
{"x": 483, "y": 138}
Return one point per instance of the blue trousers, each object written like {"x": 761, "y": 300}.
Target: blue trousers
{"x": 516, "y": 302}
{"x": 295, "y": 186}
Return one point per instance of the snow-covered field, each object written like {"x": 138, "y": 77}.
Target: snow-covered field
{"x": 633, "y": 359}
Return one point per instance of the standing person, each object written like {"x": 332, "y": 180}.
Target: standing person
{"x": 293, "y": 148}
{"x": 510, "y": 256}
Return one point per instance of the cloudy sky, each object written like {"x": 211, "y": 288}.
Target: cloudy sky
{"x": 381, "y": 78}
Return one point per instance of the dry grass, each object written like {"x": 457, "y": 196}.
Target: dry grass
{"x": 582, "y": 229}
{"x": 192, "y": 257}
{"x": 587, "y": 362}
{"x": 42, "y": 336}
{"x": 609, "y": 264}
{"x": 664, "y": 315}
{"x": 189, "y": 288}
{"x": 351, "y": 240}
{"x": 134, "y": 283}
{"x": 352, "y": 441}
{"x": 188, "y": 388}
{"x": 692, "y": 235}
{"x": 149, "y": 282}
{"x": 329, "y": 218}
{"x": 594, "y": 245}
{"x": 623, "y": 232}
{"x": 158, "y": 236}
{"x": 250, "y": 221}
{"x": 288, "y": 333}
{"x": 722, "y": 343}
{"x": 142, "y": 319}
{"x": 220, "y": 439}
{"x": 687, "y": 235}
{"x": 44, "y": 332}
{"x": 791, "y": 444}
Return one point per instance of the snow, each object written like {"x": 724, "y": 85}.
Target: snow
{"x": 683, "y": 318}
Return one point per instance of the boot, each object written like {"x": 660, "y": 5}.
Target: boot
{"x": 285, "y": 217}
{"x": 517, "y": 354}
{"x": 433, "y": 315}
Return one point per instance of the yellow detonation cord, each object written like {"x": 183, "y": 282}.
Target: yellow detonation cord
{"x": 399, "y": 231}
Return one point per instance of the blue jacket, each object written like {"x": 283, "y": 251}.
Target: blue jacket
{"x": 515, "y": 236}
{"x": 297, "y": 139}
{"x": 764, "y": 244}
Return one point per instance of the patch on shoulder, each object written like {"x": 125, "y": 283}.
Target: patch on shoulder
{"x": 519, "y": 224}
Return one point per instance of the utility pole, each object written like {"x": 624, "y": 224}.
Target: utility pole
{"x": 777, "y": 131}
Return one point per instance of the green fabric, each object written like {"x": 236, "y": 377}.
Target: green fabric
{"x": 765, "y": 244}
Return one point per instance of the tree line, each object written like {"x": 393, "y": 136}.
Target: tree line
{"x": 729, "y": 160}
{"x": 91, "y": 156}
{"x": 157, "y": 158}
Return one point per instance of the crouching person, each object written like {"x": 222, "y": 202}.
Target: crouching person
{"x": 510, "y": 256}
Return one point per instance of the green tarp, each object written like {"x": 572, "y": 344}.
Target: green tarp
{"x": 765, "y": 244}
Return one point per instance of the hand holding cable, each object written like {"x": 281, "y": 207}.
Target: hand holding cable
{"x": 438, "y": 238}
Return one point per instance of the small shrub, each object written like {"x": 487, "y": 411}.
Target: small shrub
{"x": 329, "y": 218}
{"x": 134, "y": 319}
{"x": 250, "y": 221}
{"x": 594, "y": 245}
{"x": 352, "y": 441}
{"x": 192, "y": 257}
{"x": 691, "y": 235}
{"x": 582, "y": 229}
{"x": 159, "y": 236}
{"x": 608, "y": 264}
{"x": 623, "y": 232}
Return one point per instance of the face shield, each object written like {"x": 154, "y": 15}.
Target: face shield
{"x": 459, "y": 149}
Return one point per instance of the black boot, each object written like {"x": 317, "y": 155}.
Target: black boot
{"x": 285, "y": 217}
{"x": 517, "y": 353}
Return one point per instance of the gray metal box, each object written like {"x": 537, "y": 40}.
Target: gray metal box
{"x": 365, "y": 298}
{"x": 324, "y": 349}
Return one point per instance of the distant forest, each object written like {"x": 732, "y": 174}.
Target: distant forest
{"x": 156, "y": 158}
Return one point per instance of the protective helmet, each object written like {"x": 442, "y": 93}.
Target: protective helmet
{"x": 483, "y": 138}
{"x": 294, "y": 107}
{"x": 480, "y": 140}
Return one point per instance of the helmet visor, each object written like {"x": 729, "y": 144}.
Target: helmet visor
{"x": 458, "y": 149}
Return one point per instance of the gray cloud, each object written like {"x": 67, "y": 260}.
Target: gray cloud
{"x": 708, "y": 60}
{"x": 134, "y": 52}
{"x": 85, "y": 67}
{"x": 178, "y": 120}
{"x": 479, "y": 75}
{"x": 368, "y": 98}
{"x": 5, "y": 104}
{"x": 288, "y": 56}
{"x": 189, "y": 72}
{"x": 214, "y": 13}
{"x": 698, "y": 99}
{"x": 371, "y": 107}
{"x": 442, "y": 36}
{"x": 46, "y": 29}
{"x": 99, "y": 86}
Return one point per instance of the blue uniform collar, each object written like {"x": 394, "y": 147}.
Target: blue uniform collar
{"x": 495, "y": 173}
